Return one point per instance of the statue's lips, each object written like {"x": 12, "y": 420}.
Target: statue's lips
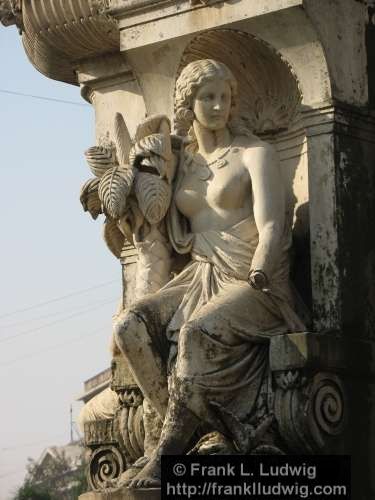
{"x": 217, "y": 117}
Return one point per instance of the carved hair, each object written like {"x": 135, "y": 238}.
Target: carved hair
{"x": 193, "y": 76}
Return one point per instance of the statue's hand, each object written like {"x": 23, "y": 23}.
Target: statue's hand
{"x": 257, "y": 279}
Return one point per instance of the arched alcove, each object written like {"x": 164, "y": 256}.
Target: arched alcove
{"x": 269, "y": 104}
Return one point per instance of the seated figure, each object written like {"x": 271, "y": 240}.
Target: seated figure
{"x": 198, "y": 347}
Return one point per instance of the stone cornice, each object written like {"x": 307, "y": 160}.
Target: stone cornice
{"x": 144, "y": 22}
{"x": 122, "y": 7}
{"x": 337, "y": 117}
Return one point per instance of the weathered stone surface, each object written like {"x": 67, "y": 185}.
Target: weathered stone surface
{"x": 308, "y": 351}
{"x": 308, "y": 51}
{"x": 123, "y": 494}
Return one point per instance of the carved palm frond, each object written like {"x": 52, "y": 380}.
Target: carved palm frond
{"x": 122, "y": 140}
{"x": 153, "y": 147}
{"x": 152, "y": 124}
{"x": 114, "y": 189}
{"x": 113, "y": 237}
{"x": 154, "y": 196}
{"x": 152, "y": 151}
{"x": 100, "y": 159}
{"x": 89, "y": 198}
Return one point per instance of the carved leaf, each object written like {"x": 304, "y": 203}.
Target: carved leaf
{"x": 151, "y": 125}
{"x": 122, "y": 139}
{"x": 113, "y": 237}
{"x": 89, "y": 198}
{"x": 114, "y": 188}
{"x": 100, "y": 159}
{"x": 154, "y": 143}
{"x": 153, "y": 195}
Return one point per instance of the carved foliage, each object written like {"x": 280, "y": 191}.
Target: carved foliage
{"x": 153, "y": 195}
{"x": 114, "y": 189}
{"x": 132, "y": 431}
{"x": 113, "y": 237}
{"x": 89, "y": 198}
{"x": 100, "y": 159}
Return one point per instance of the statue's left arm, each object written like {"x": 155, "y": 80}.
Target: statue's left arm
{"x": 269, "y": 209}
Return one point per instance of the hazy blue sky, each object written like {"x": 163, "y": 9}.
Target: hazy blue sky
{"x": 49, "y": 248}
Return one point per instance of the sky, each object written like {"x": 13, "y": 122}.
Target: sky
{"x": 59, "y": 285}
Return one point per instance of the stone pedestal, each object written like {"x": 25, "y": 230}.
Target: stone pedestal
{"x": 123, "y": 494}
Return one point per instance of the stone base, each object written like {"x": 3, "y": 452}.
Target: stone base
{"x": 123, "y": 494}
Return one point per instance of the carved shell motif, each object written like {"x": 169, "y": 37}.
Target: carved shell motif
{"x": 100, "y": 159}
{"x": 89, "y": 198}
{"x": 269, "y": 96}
{"x": 154, "y": 196}
{"x": 114, "y": 188}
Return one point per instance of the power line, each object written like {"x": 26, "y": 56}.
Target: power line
{"x": 52, "y": 348}
{"x": 49, "y": 315}
{"x": 58, "y": 299}
{"x": 35, "y": 443}
{"x": 11, "y": 473}
{"x": 38, "y": 328}
{"x": 42, "y": 98}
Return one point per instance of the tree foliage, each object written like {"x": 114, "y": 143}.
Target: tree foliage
{"x": 56, "y": 478}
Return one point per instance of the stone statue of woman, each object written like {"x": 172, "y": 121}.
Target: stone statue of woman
{"x": 199, "y": 346}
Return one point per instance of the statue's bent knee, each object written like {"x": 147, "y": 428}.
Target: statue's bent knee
{"x": 126, "y": 331}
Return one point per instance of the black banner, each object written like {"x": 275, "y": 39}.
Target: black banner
{"x": 257, "y": 477}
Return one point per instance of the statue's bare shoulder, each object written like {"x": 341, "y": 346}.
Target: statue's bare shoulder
{"x": 260, "y": 158}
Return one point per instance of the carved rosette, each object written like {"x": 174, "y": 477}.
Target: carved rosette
{"x": 310, "y": 412}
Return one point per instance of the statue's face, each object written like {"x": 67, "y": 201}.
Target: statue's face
{"x": 212, "y": 104}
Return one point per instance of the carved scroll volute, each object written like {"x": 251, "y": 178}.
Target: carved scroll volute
{"x": 106, "y": 465}
{"x": 311, "y": 413}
